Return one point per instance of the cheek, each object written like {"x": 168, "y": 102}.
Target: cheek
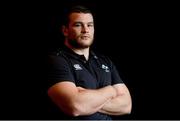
{"x": 75, "y": 33}
{"x": 92, "y": 31}
{"x": 72, "y": 34}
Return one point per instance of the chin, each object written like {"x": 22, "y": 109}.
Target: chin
{"x": 87, "y": 42}
{"x": 82, "y": 44}
{"x": 86, "y": 45}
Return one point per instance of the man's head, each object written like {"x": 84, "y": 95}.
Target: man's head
{"x": 78, "y": 28}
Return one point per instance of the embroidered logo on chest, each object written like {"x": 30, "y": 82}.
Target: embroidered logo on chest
{"x": 77, "y": 67}
{"x": 106, "y": 68}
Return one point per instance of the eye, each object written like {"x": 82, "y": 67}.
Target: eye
{"x": 90, "y": 25}
{"x": 77, "y": 24}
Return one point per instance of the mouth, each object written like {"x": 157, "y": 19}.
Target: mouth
{"x": 85, "y": 37}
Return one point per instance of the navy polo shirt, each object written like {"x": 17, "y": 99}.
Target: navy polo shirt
{"x": 97, "y": 72}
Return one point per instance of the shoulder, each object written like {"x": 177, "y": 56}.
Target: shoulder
{"x": 55, "y": 53}
{"x": 57, "y": 56}
{"x": 102, "y": 56}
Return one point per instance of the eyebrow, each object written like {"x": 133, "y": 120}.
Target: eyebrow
{"x": 78, "y": 22}
{"x": 90, "y": 22}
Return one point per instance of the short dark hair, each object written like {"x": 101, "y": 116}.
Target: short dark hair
{"x": 74, "y": 9}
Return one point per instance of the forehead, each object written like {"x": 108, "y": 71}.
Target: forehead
{"x": 81, "y": 17}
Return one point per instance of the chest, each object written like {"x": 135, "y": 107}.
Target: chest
{"x": 92, "y": 74}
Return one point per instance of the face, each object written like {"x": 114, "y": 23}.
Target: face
{"x": 80, "y": 30}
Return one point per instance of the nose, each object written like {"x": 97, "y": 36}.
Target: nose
{"x": 85, "y": 29}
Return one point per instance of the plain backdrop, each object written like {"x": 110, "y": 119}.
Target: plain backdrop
{"x": 140, "y": 38}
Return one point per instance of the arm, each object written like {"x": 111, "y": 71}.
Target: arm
{"x": 79, "y": 101}
{"x": 119, "y": 105}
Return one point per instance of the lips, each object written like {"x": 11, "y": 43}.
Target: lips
{"x": 85, "y": 37}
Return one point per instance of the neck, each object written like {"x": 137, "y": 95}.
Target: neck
{"x": 79, "y": 51}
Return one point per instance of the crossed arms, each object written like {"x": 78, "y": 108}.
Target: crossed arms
{"x": 78, "y": 101}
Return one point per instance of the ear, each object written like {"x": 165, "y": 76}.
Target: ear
{"x": 65, "y": 30}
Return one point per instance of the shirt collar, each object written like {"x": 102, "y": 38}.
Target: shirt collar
{"x": 77, "y": 56}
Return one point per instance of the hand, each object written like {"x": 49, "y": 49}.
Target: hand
{"x": 118, "y": 91}
{"x": 113, "y": 91}
{"x": 81, "y": 89}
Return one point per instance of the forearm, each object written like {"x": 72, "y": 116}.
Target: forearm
{"x": 91, "y": 101}
{"x": 116, "y": 106}
{"x": 119, "y": 105}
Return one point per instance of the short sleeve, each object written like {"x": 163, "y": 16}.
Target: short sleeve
{"x": 115, "y": 75}
{"x": 58, "y": 70}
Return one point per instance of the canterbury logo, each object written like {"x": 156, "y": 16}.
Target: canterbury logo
{"x": 106, "y": 68}
{"x": 77, "y": 67}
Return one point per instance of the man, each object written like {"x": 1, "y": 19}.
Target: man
{"x": 85, "y": 85}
